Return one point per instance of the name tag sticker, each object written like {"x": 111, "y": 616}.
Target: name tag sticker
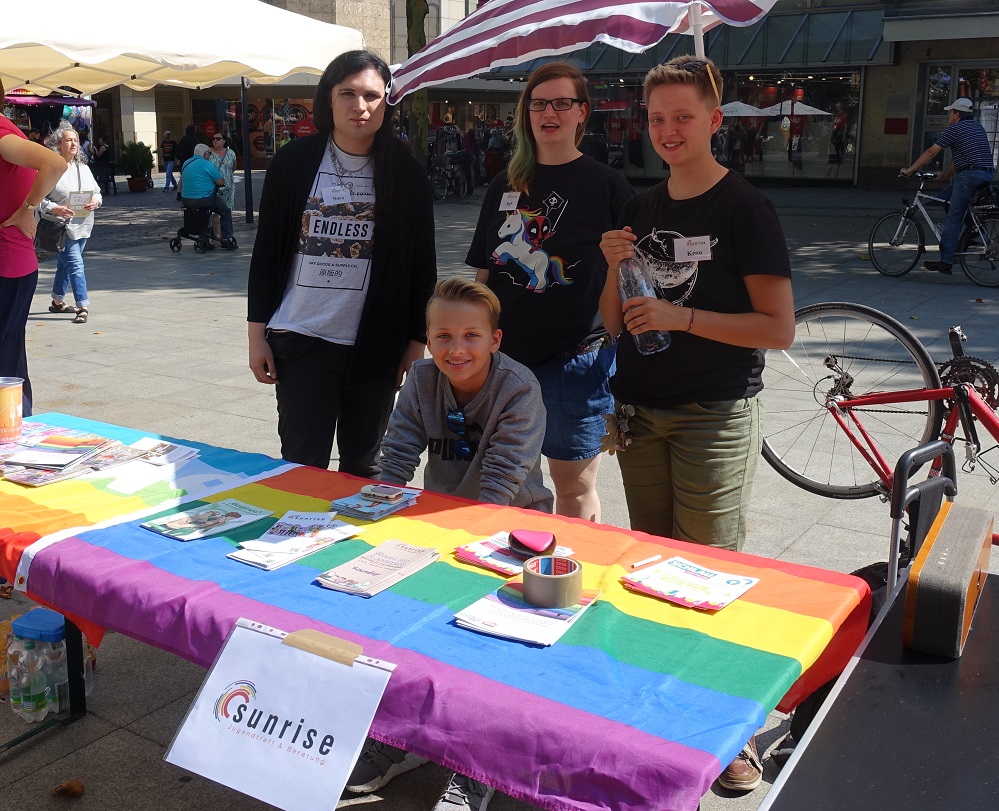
{"x": 508, "y": 202}
{"x": 335, "y": 195}
{"x": 691, "y": 249}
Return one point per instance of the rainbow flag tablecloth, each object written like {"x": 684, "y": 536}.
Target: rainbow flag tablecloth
{"x": 639, "y": 705}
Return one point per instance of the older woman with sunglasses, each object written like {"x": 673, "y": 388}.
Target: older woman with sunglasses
{"x": 225, "y": 161}
{"x": 536, "y": 246}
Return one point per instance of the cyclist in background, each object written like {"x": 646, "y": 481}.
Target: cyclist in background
{"x": 971, "y": 165}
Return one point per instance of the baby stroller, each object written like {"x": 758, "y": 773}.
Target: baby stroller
{"x": 199, "y": 219}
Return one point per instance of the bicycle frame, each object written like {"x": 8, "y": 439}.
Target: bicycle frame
{"x": 966, "y": 405}
{"x": 970, "y": 219}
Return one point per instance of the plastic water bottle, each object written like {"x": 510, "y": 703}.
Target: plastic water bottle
{"x": 15, "y": 672}
{"x": 57, "y": 677}
{"x": 634, "y": 281}
{"x": 33, "y": 688}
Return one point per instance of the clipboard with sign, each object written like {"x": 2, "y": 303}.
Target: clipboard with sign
{"x": 270, "y": 720}
{"x": 78, "y": 201}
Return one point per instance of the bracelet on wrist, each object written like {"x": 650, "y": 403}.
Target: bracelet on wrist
{"x": 690, "y": 325}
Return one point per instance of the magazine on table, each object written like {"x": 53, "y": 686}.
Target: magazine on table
{"x": 39, "y": 477}
{"x": 295, "y": 536}
{"x": 58, "y": 451}
{"x": 161, "y": 452}
{"x": 494, "y": 553}
{"x": 373, "y": 509}
{"x": 205, "y": 520}
{"x": 112, "y": 455}
{"x": 685, "y": 583}
{"x": 505, "y": 613}
{"x": 378, "y": 568}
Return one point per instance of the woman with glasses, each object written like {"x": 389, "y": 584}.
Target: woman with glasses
{"x": 225, "y": 161}
{"x": 343, "y": 266}
{"x": 717, "y": 255}
{"x": 536, "y": 246}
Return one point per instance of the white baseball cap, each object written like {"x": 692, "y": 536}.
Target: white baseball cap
{"x": 961, "y": 105}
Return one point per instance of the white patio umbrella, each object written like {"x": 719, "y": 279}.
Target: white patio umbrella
{"x": 792, "y": 108}
{"x": 510, "y": 32}
{"x": 738, "y": 109}
{"x": 123, "y": 42}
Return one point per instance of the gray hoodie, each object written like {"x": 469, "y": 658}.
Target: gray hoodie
{"x": 505, "y": 424}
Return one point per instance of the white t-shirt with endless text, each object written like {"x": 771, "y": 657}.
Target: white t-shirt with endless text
{"x": 331, "y": 268}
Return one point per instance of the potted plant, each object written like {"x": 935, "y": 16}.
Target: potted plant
{"x": 135, "y": 161}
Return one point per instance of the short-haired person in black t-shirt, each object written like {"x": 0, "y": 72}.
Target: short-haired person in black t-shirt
{"x": 717, "y": 254}
{"x": 537, "y": 247}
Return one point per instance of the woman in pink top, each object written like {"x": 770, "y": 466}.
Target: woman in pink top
{"x": 28, "y": 171}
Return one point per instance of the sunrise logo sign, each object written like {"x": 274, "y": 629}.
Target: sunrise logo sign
{"x": 242, "y": 692}
{"x": 234, "y": 707}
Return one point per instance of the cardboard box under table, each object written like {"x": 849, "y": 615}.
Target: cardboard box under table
{"x": 640, "y": 705}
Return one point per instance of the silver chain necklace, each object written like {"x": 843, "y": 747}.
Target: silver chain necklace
{"x": 339, "y": 167}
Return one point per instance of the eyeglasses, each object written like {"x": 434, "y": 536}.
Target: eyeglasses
{"x": 695, "y": 65}
{"x": 456, "y": 424}
{"x": 217, "y": 138}
{"x": 559, "y": 105}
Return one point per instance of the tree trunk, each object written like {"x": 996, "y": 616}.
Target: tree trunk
{"x": 416, "y": 38}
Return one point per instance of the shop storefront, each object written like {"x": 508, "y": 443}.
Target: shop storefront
{"x": 942, "y": 81}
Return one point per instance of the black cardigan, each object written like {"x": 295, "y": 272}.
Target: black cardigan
{"x": 403, "y": 264}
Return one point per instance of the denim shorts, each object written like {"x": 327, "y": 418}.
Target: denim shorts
{"x": 576, "y": 393}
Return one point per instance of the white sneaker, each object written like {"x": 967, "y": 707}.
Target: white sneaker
{"x": 378, "y": 765}
{"x": 464, "y": 794}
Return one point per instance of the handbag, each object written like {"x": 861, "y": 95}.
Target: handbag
{"x": 50, "y": 236}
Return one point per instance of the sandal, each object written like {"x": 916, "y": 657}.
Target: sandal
{"x": 60, "y": 307}
{"x": 81, "y": 316}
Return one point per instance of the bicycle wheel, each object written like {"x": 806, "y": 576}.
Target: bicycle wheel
{"x": 981, "y": 262}
{"x": 438, "y": 184}
{"x": 844, "y": 350}
{"x": 896, "y": 244}
{"x": 459, "y": 183}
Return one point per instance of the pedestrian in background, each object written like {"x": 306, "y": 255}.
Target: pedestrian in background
{"x": 168, "y": 154}
{"x": 225, "y": 161}
{"x": 537, "y": 247}
{"x": 343, "y": 266}
{"x": 76, "y": 177}
{"x": 185, "y": 147}
{"x": 28, "y": 171}
{"x": 971, "y": 166}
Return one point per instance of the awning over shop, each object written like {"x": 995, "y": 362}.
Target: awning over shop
{"x": 837, "y": 38}
{"x": 938, "y": 27}
{"x": 57, "y": 101}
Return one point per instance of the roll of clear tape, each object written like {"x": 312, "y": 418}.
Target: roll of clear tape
{"x": 552, "y": 582}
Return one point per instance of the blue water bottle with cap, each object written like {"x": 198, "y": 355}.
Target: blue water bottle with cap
{"x": 635, "y": 281}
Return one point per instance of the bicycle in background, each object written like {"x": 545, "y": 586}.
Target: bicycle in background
{"x": 447, "y": 178}
{"x": 856, "y": 390}
{"x": 897, "y": 240}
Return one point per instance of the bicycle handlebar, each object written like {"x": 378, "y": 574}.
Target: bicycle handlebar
{"x": 902, "y": 495}
{"x": 920, "y": 175}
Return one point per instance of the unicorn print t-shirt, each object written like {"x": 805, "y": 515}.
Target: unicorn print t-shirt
{"x": 542, "y": 251}
{"x": 738, "y": 228}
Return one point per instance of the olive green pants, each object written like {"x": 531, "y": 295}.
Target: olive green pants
{"x": 689, "y": 470}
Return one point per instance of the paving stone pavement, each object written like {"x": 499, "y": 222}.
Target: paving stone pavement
{"x": 165, "y": 351}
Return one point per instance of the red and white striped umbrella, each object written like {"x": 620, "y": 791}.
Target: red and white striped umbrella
{"x": 511, "y": 32}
